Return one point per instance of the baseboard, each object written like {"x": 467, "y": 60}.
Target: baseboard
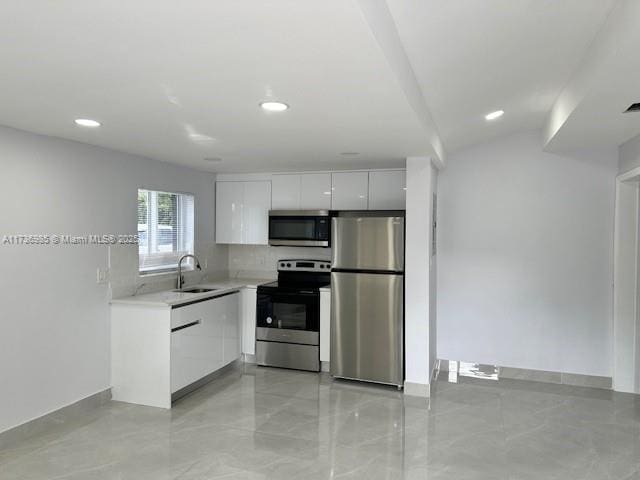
{"x": 544, "y": 376}
{"x": 560, "y": 378}
{"x": 325, "y": 367}
{"x": 57, "y": 417}
{"x": 417, "y": 389}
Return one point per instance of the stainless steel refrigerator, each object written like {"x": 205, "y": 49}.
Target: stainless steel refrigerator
{"x": 367, "y": 297}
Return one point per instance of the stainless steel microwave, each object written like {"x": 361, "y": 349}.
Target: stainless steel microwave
{"x": 299, "y": 228}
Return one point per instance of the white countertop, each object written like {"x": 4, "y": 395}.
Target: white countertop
{"x": 168, "y": 298}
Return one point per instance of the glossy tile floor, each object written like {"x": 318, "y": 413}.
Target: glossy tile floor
{"x": 276, "y": 424}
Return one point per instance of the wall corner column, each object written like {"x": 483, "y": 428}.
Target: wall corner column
{"x": 419, "y": 357}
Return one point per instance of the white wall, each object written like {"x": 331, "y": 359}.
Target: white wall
{"x": 525, "y": 257}
{"x": 419, "y": 352}
{"x": 54, "y": 337}
{"x": 629, "y": 155}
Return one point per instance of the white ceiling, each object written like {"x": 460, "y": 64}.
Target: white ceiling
{"x": 590, "y": 110}
{"x": 472, "y": 57}
{"x": 181, "y": 81}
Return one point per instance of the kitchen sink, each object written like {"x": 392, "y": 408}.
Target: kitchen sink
{"x": 196, "y": 290}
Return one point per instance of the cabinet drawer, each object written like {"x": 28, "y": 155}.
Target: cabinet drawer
{"x": 196, "y": 312}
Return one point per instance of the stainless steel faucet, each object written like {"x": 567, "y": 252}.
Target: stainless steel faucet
{"x": 180, "y": 276}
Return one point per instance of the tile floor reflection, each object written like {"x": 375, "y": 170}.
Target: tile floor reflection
{"x": 259, "y": 423}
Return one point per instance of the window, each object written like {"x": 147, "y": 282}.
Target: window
{"x": 165, "y": 230}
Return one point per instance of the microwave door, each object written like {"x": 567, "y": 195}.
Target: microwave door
{"x": 292, "y": 228}
{"x": 298, "y": 230}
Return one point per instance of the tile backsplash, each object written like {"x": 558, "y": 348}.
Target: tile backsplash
{"x": 125, "y": 280}
{"x": 260, "y": 261}
{"x": 222, "y": 261}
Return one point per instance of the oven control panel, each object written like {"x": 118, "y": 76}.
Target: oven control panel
{"x": 303, "y": 265}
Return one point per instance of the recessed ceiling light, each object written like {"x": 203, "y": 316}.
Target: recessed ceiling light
{"x": 494, "y": 115}
{"x": 212, "y": 159}
{"x": 87, "y": 122}
{"x": 274, "y": 106}
{"x": 349, "y": 154}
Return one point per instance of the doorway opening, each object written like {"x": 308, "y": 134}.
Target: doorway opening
{"x": 626, "y": 321}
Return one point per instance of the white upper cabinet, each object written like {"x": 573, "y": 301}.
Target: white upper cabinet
{"x": 315, "y": 191}
{"x": 306, "y": 191}
{"x": 229, "y": 197}
{"x": 255, "y": 218}
{"x": 285, "y": 192}
{"x": 242, "y": 212}
{"x": 243, "y": 201}
{"x": 349, "y": 190}
{"x": 387, "y": 190}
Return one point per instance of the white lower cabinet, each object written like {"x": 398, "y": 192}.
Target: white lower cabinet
{"x": 204, "y": 338}
{"x": 157, "y": 351}
{"x": 325, "y": 325}
{"x": 249, "y": 297}
{"x": 196, "y": 343}
{"x": 231, "y": 348}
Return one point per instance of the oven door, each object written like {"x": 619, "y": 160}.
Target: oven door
{"x": 288, "y": 317}
{"x": 295, "y": 228}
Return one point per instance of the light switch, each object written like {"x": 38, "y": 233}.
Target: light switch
{"x": 102, "y": 276}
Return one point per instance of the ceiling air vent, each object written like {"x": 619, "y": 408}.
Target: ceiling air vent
{"x": 633, "y": 108}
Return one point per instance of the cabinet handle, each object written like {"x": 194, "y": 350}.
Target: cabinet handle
{"x": 186, "y": 325}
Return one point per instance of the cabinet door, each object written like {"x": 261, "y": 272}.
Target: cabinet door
{"x": 229, "y": 212}
{"x": 248, "y": 313}
{"x": 387, "y": 190}
{"x": 349, "y": 190}
{"x": 229, "y": 309}
{"x": 255, "y": 213}
{"x": 285, "y": 192}
{"x": 315, "y": 191}
{"x": 325, "y": 325}
{"x": 196, "y": 343}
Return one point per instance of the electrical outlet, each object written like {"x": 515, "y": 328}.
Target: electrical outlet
{"x": 102, "y": 276}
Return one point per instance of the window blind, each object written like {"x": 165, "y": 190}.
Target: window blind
{"x": 165, "y": 230}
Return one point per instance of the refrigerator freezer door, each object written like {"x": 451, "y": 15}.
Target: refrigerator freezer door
{"x": 367, "y": 338}
{"x": 368, "y": 243}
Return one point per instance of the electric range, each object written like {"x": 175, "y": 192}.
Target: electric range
{"x": 288, "y": 315}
